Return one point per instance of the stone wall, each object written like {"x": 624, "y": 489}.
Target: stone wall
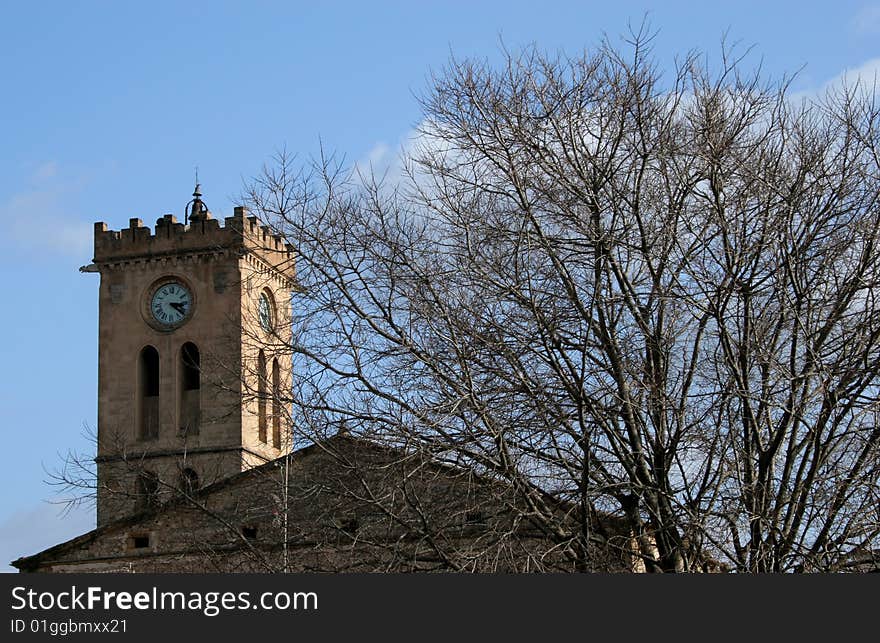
{"x": 350, "y": 506}
{"x": 225, "y": 268}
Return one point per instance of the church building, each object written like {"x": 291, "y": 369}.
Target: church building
{"x": 195, "y": 465}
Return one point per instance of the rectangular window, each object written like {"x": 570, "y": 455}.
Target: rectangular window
{"x": 139, "y": 541}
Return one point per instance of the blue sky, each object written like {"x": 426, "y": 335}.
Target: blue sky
{"x": 108, "y": 107}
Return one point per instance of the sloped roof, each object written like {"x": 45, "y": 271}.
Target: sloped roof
{"x": 58, "y": 551}
{"x": 33, "y": 561}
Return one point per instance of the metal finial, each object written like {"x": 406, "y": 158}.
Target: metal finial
{"x": 196, "y": 210}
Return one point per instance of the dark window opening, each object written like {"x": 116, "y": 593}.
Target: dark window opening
{"x": 190, "y": 361}
{"x": 150, "y": 371}
{"x": 249, "y": 532}
{"x": 148, "y": 397}
{"x": 139, "y": 541}
{"x": 350, "y": 525}
{"x": 261, "y": 396}
{"x": 147, "y": 490}
{"x": 190, "y": 385}
{"x": 189, "y": 481}
{"x": 276, "y": 404}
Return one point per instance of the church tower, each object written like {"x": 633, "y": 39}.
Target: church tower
{"x": 194, "y": 359}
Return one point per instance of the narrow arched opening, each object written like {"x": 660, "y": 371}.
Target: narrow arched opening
{"x": 276, "y": 404}
{"x": 148, "y": 394}
{"x": 189, "y": 399}
{"x": 261, "y": 396}
{"x": 147, "y": 490}
{"x": 189, "y": 481}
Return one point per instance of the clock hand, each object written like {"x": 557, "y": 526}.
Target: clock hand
{"x": 179, "y": 307}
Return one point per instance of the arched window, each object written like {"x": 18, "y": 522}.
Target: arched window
{"x": 148, "y": 394}
{"x": 147, "y": 490}
{"x": 276, "y": 404}
{"x": 190, "y": 386}
{"x": 261, "y": 395}
{"x": 189, "y": 481}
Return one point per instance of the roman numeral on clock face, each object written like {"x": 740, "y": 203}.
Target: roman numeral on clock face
{"x": 171, "y": 303}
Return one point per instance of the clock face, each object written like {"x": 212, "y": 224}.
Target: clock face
{"x": 264, "y": 310}
{"x": 171, "y": 303}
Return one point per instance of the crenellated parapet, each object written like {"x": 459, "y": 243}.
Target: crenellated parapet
{"x": 241, "y": 233}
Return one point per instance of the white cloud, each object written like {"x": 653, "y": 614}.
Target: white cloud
{"x": 866, "y": 75}
{"x": 378, "y": 155}
{"x": 40, "y": 217}
{"x": 32, "y": 530}
{"x": 385, "y": 160}
{"x": 388, "y": 161}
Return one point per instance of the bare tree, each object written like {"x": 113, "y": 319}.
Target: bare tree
{"x": 605, "y": 318}
{"x": 624, "y": 298}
